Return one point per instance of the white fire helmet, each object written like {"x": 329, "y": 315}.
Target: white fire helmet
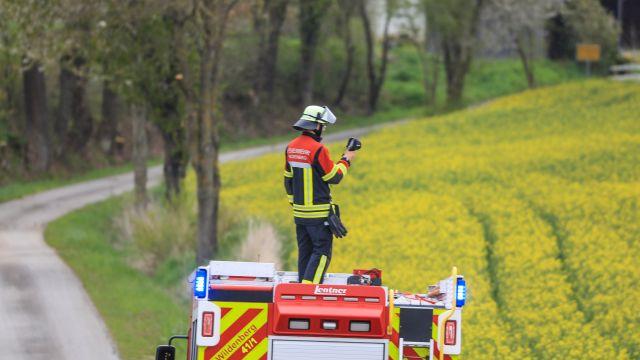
{"x": 313, "y": 115}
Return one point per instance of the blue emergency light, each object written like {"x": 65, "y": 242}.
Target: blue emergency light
{"x": 461, "y": 292}
{"x": 200, "y": 283}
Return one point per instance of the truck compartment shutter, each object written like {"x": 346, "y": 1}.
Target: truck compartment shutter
{"x": 415, "y": 324}
{"x": 314, "y": 349}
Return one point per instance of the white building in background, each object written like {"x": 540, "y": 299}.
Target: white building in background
{"x": 494, "y": 40}
{"x": 399, "y": 22}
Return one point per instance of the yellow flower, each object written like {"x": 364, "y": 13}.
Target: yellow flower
{"x": 535, "y": 197}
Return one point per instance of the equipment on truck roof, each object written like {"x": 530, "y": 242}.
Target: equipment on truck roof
{"x": 247, "y": 310}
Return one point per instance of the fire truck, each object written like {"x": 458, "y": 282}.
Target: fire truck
{"x": 244, "y": 310}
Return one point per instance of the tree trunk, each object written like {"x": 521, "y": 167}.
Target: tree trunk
{"x": 175, "y": 159}
{"x": 432, "y": 90}
{"x": 167, "y": 107}
{"x": 111, "y": 113}
{"x": 268, "y": 57}
{"x": 430, "y": 62}
{"x": 375, "y": 77}
{"x": 206, "y": 164}
{"x": 311, "y": 13}
{"x": 205, "y": 128}
{"x": 457, "y": 59}
{"x": 75, "y": 116}
{"x": 457, "y": 46}
{"x": 347, "y": 9}
{"x": 12, "y": 96}
{"x": 37, "y": 119}
{"x": 11, "y": 111}
{"x": 139, "y": 155}
{"x": 187, "y": 85}
{"x": 65, "y": 112}
{"x": 526, "y": 58}
{"x": 430, "y": 72}
{"x": 371, "y": 73}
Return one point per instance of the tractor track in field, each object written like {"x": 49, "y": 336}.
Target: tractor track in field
{"x": 560, "y": 235}
{"x": 45, "y": 312}
{"x": 490, "y": 238}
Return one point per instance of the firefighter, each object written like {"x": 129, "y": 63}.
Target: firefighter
{"x": 307, "y": 174}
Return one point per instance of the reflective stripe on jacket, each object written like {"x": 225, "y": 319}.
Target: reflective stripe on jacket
{"x": 308, "y": 171}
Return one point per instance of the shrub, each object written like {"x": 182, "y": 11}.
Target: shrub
{"x": 589, "y": 22}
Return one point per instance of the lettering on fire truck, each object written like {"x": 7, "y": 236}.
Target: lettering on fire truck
{"x": 329, "y": 291}
{"x": 245, "y": 339}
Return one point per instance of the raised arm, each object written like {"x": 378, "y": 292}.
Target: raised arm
{"x": 333, "y": 172}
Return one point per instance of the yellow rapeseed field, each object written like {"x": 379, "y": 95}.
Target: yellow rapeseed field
{"x": 535, "y": 197}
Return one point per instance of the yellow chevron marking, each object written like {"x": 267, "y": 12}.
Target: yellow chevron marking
{"x": 434, "y": 327}
{"x": 232, "y": 316}
{"x": 422, "y": 351}
{"x": 394, "y": 352}
{"x": 395, "y": 322}
{"x": 237, "y": 310}
{"x": 245, "y": 334}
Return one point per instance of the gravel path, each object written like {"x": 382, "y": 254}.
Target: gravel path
{"x": 44, "y": 310}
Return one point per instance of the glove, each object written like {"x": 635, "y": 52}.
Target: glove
{"x": 335, "y": 224}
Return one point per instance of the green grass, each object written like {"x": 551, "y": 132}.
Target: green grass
{"x": 490, "y": 79}
{"x": 138, "y": 309}
{"x": 141, "y": 310}
{"x": 487, "y": 79}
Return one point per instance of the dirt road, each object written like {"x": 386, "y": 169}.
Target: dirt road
{"x": 44, "y": 310}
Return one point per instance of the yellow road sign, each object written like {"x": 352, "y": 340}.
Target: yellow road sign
{"x": 588, "y": 52}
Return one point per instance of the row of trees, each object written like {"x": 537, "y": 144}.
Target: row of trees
{"x": 194, "y": 68}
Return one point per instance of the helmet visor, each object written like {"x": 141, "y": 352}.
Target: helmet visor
{"x": 327, "y": 116}
{"x": 319, "y": 114}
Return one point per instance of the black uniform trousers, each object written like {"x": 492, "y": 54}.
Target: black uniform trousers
{"x": 314, "y": 252}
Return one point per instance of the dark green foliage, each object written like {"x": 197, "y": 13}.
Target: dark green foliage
{"x": 588, "y": 22}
